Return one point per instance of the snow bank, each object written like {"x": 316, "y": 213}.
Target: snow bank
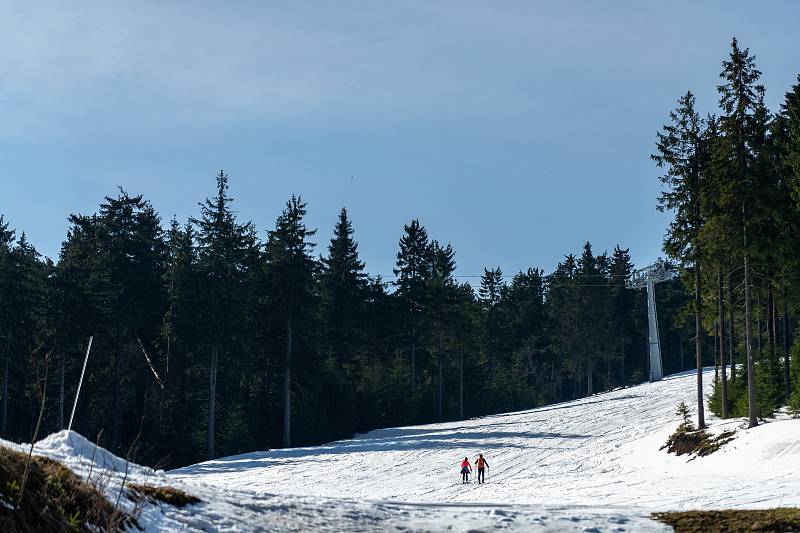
{"x": 758, "y": 469}
{"x": 107, "y": 472}
{"x": 74, "y": 449}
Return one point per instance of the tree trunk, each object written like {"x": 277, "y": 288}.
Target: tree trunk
{"x": 287, "y": 387}
{"x": 266, "y": 385}
{"x": 770, "y": 318}
{"x": 461, "y": 383}
{"x": 413, "y": 354}
{"x": 758, "y": 324}
{"x": 731, "y": 335}
{"x": 775, "y": 323}
{"x": 716, "y": 352}
{"x": 589, "y": 372}
{"x": 752, "y": 410}
{"x": 61, "y": 390}
{"x": 116, "y": 399}
{"x": 722, "y": 362}
{"x": 4, "y": 424}
{"x": 182, "y": 416}
{"x": 787, "y": 375}
{"x": 622, "y": 359}
{"x": 212, "y": 397}
{"x": 698, "y": 326}
{"x": 441, "y": 385}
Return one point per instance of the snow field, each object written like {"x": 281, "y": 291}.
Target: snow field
{"x": 603, "y": 449}
{"x": 587, "y": 465}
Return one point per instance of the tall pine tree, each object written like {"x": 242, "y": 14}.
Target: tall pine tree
{"x": 414, "y": 268}
{"x": 223, "y": 246}
{"x": 290, "y": 274}
{"x": 680, "y": 152}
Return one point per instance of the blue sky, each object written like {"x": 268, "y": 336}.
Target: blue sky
{"x": 514, "y": 130}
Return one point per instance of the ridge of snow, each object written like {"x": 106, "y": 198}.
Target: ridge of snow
{"x": 72, "y": 447}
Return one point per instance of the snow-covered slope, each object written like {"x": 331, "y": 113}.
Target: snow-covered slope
{"x": 603, "y": 449}
{"x": 590, "y": 464}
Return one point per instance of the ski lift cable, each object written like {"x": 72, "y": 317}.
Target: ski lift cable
{"x": 515, "y": 275}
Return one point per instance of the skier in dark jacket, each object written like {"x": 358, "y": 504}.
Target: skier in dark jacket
{"x": 481, "y": 464}
{"x": 466, "y": 468}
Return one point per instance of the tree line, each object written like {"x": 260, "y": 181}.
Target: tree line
{"x": 732, "y": 180}
{"x": 211, "y": 339}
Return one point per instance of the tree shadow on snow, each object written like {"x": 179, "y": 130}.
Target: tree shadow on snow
{"x": 400, "y": 439}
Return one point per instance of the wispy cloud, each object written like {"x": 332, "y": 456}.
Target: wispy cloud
{"x": 195, "y": 63}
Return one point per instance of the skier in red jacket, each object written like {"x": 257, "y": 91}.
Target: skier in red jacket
{"x": 466, "y": 468}
{"x": 482, "y": 465}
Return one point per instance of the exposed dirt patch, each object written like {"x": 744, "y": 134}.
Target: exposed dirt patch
{"x": 769, "y": 520}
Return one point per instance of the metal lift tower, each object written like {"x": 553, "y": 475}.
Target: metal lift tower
{"x": 647, "y": 277}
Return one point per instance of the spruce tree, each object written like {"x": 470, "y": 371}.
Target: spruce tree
{"x": 181, "y": 335}
{"x": 292, "y": 292}
{"x": 563, "y": 306}
{"x": 622, "y": 300}
{"x": 791, "y": 111}
{"x": 343, "y": 283}
{"x": 740, "y": 100}
{"x": 343, "y": 286}
{"x": 593, "y": 317}
{"x": 680, "y": 152}
{"x": 718, "y": 246}
{"x": 222, "y": 244}
{"x": 785, "y": 137}
{"x": 413, "y": 270}
{"x": 490, "y": 294}
{"x": 6, "y": 286}
{"x": 441, "y": 294}
{"x": 794, "y": 398}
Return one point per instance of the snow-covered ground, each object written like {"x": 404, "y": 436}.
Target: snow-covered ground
{"x": 589, "y": 465}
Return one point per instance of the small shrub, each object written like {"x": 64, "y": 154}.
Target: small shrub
{"x": 737, "y": 392}
{"x": 770, "y": 385}
{"x": 794, "y": 402}
{"x": 715, "y": 399}
{"x": 682, "y": 410}
{"x": 769, "y": 389}
{"x": 794, "y": 399}
{"x": 686, "y": 440}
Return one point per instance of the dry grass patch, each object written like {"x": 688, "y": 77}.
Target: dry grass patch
{"x": 54, "y": 498}
{"x": 769, "y": 520}
{"x": 168, "y": 495}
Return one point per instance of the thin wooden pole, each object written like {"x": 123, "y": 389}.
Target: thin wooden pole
{"x": 80, "y": 382}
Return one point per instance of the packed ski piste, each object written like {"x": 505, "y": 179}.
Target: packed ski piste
{"x": 592, "y": 464}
